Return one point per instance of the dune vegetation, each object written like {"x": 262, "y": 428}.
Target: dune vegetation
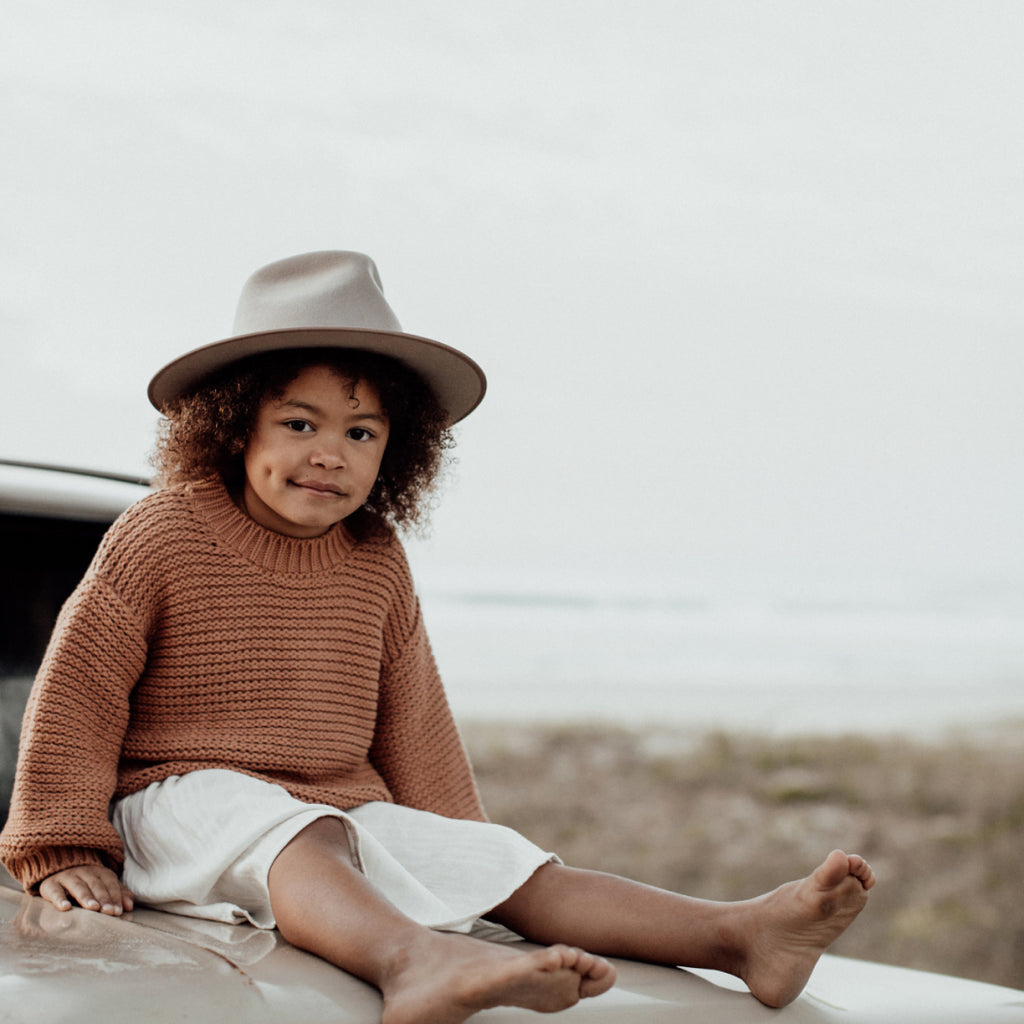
{"x": 727, "y": 816}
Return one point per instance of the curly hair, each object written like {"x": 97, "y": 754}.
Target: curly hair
{"x": 206, "y": 432}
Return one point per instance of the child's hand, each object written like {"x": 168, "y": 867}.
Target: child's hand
{"x": 92, "y": 886}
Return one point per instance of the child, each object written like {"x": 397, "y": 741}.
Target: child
{"x": 239, "y": 710}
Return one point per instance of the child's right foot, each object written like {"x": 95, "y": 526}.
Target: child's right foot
{"x": 454, "y": 976}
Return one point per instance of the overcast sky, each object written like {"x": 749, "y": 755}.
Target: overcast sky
{"x": 746, "y": 278}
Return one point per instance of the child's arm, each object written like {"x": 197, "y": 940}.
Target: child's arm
{"x": 417, "y": 748}
{"x": 71, "y": 741}
{"x": 92, "y": 886}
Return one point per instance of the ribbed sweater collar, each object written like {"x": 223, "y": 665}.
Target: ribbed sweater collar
{"x": 272, "y": 551}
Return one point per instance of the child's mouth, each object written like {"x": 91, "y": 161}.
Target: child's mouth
{"x": 323, "y": 490}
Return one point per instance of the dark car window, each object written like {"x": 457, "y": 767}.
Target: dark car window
{"x": 42, "y": 560}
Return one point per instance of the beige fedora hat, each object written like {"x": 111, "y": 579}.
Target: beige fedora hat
{"x": 325, "y": 300}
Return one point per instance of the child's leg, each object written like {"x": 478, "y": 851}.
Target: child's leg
{"x": 771, "y": 942}
{"x": 326, "y": 906}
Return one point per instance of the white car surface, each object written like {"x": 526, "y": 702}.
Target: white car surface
{"x": 154, "y": 967}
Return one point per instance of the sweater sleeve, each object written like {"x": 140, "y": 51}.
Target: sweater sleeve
{"x": 74, "y": 725}
{"x": 417, "y": 748}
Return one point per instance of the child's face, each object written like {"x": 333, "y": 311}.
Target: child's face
{"x": 314, "y": 454}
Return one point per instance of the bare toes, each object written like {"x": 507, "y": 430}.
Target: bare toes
{"x": 599, "y": 977}
{"x": 861, "y": 869}
{"x": 596, "y": 974}
{"x": 836, "y": 867}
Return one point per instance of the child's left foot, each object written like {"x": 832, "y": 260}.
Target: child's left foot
{"x": 797, "y": 922}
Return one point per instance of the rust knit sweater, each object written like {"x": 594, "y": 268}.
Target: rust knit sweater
{"x": 198, "y": 639}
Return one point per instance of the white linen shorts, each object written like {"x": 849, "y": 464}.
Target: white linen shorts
{"x": 202, "y": 845}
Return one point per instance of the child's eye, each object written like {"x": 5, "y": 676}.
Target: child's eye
{"x": 299, "y": 426}
{"x": 360, "y": 434}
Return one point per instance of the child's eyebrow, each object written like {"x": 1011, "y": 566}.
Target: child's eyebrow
{"x": 298, "y": 403}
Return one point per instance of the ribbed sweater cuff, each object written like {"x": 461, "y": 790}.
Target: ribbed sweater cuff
{"x": 33, "y": 869}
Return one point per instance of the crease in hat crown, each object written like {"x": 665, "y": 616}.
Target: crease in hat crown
{"x": 317, "y": 289}
{"x": 326, "y": 299}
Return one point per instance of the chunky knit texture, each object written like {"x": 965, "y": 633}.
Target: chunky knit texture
{"x": 199, "y": 639}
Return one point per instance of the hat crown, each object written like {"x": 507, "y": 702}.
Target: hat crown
{"x": 315, "y": 290}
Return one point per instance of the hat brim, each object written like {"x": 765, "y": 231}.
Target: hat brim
{"x": 456, "y": 380}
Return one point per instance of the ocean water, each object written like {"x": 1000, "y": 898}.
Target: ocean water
{"x": 782, "y": 654}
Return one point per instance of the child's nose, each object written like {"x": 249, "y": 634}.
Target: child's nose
{"x": 329, "y": 456}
